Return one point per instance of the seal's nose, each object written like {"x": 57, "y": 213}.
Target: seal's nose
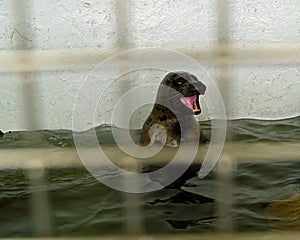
{"x": 201, "y": 88}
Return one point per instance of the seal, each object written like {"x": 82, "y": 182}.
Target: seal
{"x": 163, "y": 124}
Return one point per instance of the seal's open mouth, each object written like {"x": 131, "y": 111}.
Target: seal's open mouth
{"x": 192, "y": 103}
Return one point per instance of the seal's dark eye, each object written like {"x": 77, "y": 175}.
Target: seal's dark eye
{"x": 179, "y": 82}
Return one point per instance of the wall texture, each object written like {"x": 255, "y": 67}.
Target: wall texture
{"x": 259, "y": 91}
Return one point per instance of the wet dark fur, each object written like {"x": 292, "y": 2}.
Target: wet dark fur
{"x": 187, "y": 85}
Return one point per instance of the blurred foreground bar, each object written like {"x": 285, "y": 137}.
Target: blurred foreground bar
{"x": 46, "y": 60}
{"x": 67, "y": 157}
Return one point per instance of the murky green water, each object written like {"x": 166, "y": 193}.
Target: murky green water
{"x": 80, "y": 205}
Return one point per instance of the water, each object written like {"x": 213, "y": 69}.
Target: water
{"x": 80, "y": 205}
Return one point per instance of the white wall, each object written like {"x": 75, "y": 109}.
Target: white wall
{"x": 260, "y": 91}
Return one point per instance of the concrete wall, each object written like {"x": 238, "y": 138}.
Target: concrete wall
{"x": 259, "y": 91}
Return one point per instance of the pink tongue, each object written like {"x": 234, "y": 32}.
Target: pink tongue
{"x": 190, "y": 102}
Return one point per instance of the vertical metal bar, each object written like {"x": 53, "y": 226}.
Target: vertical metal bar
{"x": 225, "y": 164}
{"x": 20, "y": 21}
{"x": 132, "y": 201}
{"x": 122, "y": 19}
{"x": 223, "y": 69}
{"x": 225, "y": 168}
{"x": 133, "y": 207}
{"x": 39, "y": 198}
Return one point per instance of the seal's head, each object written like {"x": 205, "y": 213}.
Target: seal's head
{"x": 188, "y": 87}
{"x": 171, "y": 118}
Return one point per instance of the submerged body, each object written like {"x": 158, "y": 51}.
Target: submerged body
{"x": 172, "y": 117}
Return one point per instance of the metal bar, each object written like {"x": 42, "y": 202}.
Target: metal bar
{"x": 223, "y": 68}
{"x": 133, "y": 223}
{"x": 20, "y": 19}
{"x": 224, "y": 83}
{"x": 39, "y": 198}
{"x": 224, "y": 170}
{"x": 57, "y": 157}
{"x": 122, "y": 19}
{"x": 49, "y": 60}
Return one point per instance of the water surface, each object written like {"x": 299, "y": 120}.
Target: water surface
{"x": 80, "y": 205}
